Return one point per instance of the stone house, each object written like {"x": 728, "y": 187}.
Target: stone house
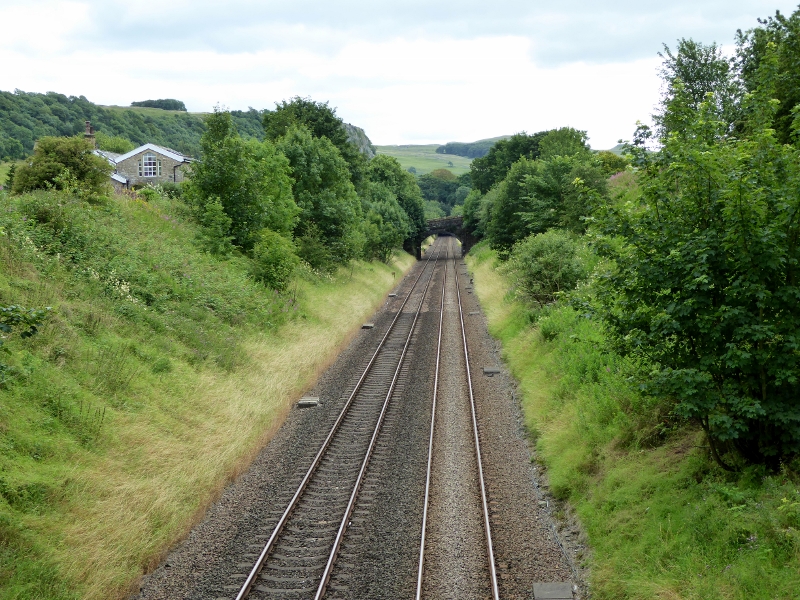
{"x": 146, "y": 164}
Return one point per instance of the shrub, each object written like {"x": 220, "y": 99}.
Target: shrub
{"x": 62, "y": 162}
{"x": 213, "y": 236}
{"x": 274, "y": 260}
{"x": 705, "y": 287}
{"x": 544, "y": 265}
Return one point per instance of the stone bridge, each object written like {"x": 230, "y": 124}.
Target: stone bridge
{"x": 452, "y": 226}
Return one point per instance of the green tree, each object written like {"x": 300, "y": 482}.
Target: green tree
{"x": 321, "y": 121}
{"x": 492, "y": 168}
{"x": 113, "y": 143}
{"x": 163, "y": 104}
{"x": 544, "y": 265}
{"x": 611, "y": 163}
{"x": 537, "y": 195}
{"x": 214, "y": 237}
{"x": 249, "y": 178}
{"x": 386, "y": 224}
{"x": 53, "y": 157}
{"x": 330, "y": 209}
{"x": 701, "y": 70}
{"x": 706, "y": 284}
{"x": 12, "y": 171}
{"x": 753, "y": 47}
{"x": 565, "y": 141}
{"x": 387, "y": 171}
{"x": 274, "y": 260}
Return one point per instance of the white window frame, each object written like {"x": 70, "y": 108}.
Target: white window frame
{"x": 151, "y": 165}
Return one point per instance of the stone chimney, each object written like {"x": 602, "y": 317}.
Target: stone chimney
{"x": 89, "y": 134}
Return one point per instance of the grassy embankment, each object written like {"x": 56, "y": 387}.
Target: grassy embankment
{"x": 662, "y": 520}
{"x": 424, "y": 158}
{"x": 159, "y": 373}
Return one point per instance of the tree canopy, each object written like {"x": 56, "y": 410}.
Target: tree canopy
{"x": 249, "y": 178}
{"x": 163, "y": 104}
{"x": 57, "y": 160}
{"x": 492, "y": 168}
{"x": 328, "y": 228}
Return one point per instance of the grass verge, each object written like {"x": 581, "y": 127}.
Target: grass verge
{"x": 158, "y": 375}
{"x": 662, "y": 520}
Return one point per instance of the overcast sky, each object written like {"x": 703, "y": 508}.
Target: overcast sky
{"x": 407, "y": 72}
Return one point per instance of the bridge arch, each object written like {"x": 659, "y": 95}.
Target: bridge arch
{"x": 452, "y": 226}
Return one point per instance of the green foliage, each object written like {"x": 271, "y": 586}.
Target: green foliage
{"x": 15, "y": 317}
{"x": 754, "y": 49}
{"x": 699, "y": 70}
{"x": 543, "y": 266}
{"x": 491, "y": 169}
{"x": 53, "y": 157}
{"x": 274, "y": 260}
{"x": 115, "y": 143}
{"x": 139, "y": 315}
{"x": 163, "y": 104}
{"x": 565, "y": 142}
{"x": 536, "y": 195}
{"x": 12, "y": 172}
{"x": 249, "y": 178}
{"x": 386, "y": 225}
{"x": 470, "y": 150}
{"x": 473, "y": 220}
{"x": 386, "y": 170}
{"x": 214, "y": 237}
{"x": 661, "y": 519}
{"x": 26, "y": 117}
{"x": 330, "y": 211}
{"x": 433, "y": 210}
{"x": 706, "y": 285}
{"x": 611, "y": 163}
{"x": 321, "y": 121}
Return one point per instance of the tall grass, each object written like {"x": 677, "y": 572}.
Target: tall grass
{"x": 663, "y": 520}
{"x": 159, "y": 374}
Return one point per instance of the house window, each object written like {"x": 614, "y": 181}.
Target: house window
{"x": 151, "y": 166}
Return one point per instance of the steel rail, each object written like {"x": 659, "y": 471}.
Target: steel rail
{"x": 430, "y": 446}
{"x": 484, "y": 502}
{"x": 268, "y": 547}
{"x": 357, "y": 486}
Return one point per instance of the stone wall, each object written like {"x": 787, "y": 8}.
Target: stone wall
{"x": 129, "y": 168}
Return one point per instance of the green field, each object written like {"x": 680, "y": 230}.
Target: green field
{"x": 424, "y": 158}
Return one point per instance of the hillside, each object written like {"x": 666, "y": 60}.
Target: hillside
{"x": 25, "y": 117}
{"x": 119, "y": 415}
{"x": 470, "y": 149}
{"x": 424, "y": 159}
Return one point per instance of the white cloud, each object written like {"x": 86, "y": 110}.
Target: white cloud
{"x": 412, "y": 71}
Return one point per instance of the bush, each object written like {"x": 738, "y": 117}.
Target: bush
{"x": 63, "y": 163}
{"x": 544, "y": 265}
{"x": 274, "y": 260}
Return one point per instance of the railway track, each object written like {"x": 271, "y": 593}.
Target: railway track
{"x": 299, "y": 556}
{"x": 429, "y": 477}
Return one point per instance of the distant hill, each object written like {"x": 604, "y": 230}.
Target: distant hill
{"x": 420, "y": 159}
{"x": 25, "y": 117}
{"x": 470, "y": 149}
